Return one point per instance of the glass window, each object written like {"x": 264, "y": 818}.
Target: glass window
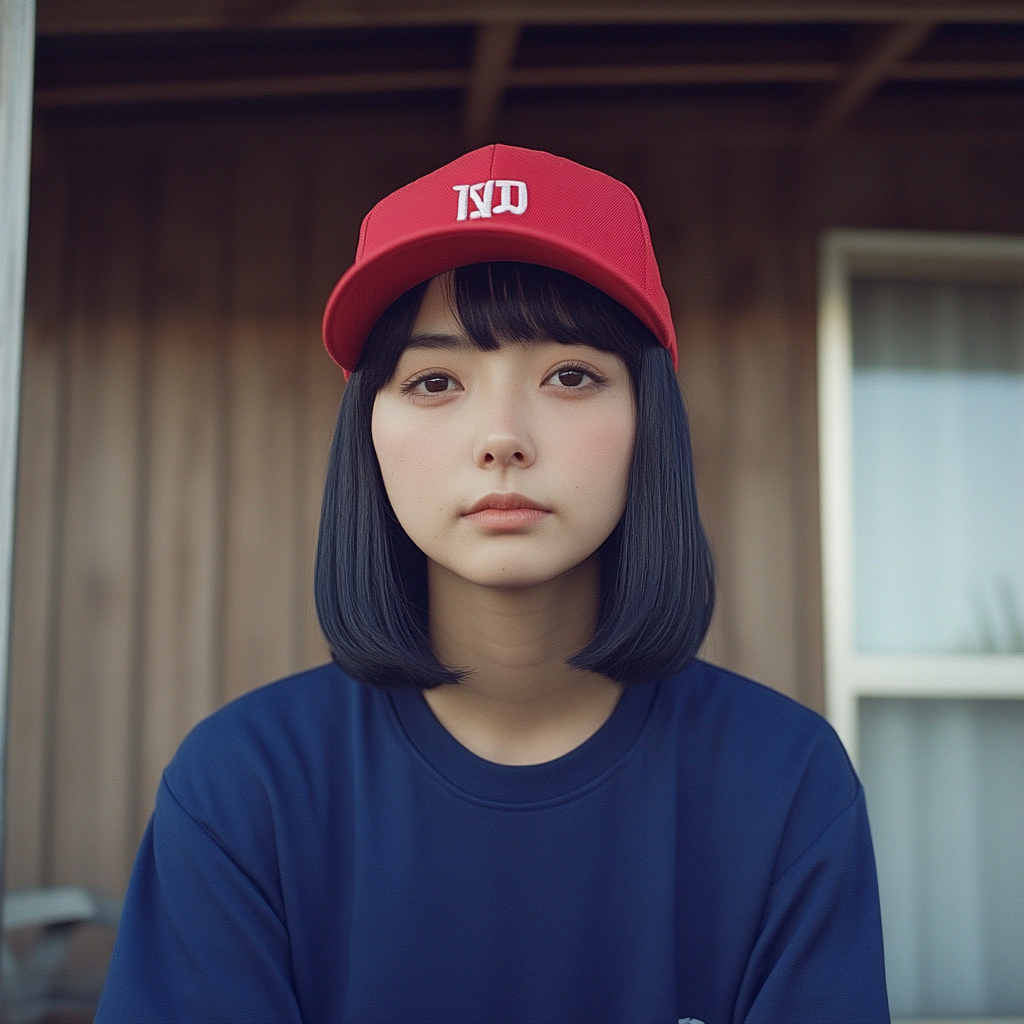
{"x": 938, "y": 429}
{"x": 945, "y": 786}
{"x": 921, "y": 411}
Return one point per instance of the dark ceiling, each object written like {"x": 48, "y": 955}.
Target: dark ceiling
{"x": 832, "y": 67}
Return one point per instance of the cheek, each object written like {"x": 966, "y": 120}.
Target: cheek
{"x": 397, "y": 453}
{"x": 412, "y": 460}
{"x": 597, "y": 456}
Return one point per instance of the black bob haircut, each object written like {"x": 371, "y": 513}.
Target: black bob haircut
{"x": 657, "y": 577}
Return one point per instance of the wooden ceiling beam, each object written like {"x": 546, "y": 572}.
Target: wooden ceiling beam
{"x": 675, "y": 74}
{"x": 892, "y": 48}
{"x": 493, "y": 53}
{"x": 269, "y": 87}
{"x": 960, "y": 71}
{"x": 78, "y": 17}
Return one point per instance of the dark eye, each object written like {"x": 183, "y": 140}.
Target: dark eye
{"x": 436, "y": 383}
{"x": 579, "y": 378}
{"x": 432, "y": 383}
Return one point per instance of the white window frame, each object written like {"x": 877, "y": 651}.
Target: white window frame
{"x": 848, "y": 674}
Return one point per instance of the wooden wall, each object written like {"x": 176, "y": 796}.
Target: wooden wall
{"x": 178, "y": 406}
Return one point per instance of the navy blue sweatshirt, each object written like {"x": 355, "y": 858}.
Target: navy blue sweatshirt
{"x": 322, "y": 851}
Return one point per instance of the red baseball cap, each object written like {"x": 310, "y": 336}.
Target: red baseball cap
{"x": 495, "y": 204}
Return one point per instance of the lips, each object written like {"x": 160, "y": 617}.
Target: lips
{"x": 505, "y": 502}
{"x": 506, "y": 513}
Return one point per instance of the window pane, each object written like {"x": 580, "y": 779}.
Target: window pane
{"x": 938, "y": 426}
{"x": 945, "y": 789}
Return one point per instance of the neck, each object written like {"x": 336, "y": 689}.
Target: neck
{"x": 520, "y": 702}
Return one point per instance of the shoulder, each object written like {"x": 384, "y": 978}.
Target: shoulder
{"x": 261, "y": 751}
{"x": 767, "y": 759}
{"x": 711, "y": 705}
{"x": 298, "y": 707}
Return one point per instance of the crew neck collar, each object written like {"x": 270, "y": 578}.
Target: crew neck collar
{"x": 551, "y": 781}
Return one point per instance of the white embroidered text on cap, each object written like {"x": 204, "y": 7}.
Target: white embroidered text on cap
{"x": 482, "y": 195}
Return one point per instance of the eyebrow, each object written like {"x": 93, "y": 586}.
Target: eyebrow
{"x": 450, "y": 341}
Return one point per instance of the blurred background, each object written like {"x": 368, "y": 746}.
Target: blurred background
{"x": 835, "y": 190}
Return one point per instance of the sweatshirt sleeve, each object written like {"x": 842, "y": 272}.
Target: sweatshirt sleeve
{"x": 198, "y": 940}
{"x": 818, "y": 955}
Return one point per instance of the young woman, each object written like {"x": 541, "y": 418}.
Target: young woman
{"x": 515, "y": 795}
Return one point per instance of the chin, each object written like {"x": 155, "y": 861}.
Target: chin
{"x": 512, "y": 574}
{"x": 511, "y": 582}
{"x": 507, "y": 579}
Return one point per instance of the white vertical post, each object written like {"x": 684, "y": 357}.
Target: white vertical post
{"x": 17, "y": 53}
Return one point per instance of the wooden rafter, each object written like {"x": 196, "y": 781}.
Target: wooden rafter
{"x": 891, "y": 49}
{"x": 733, "y": 73}
{"x": 265, "y": 87}
{"x": 520, "y": 78}
{"x": 960, "y": 71}
{"x": 493, "y": 54}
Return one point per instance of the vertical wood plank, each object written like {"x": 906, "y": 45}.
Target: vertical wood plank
{"x": 183, "y": 604}
{"x": 263, "y": 434}
{"x": 321, "y": 382}
{"x": 936, "y": 186}
{"x": 757, "y": 566}
{"x": 727, "y": 628}
{"x": 40, "y": 500}
{"x": 97, "y": 613}
{"x": 853, "y": 186}
{"x": 994, "y": 172}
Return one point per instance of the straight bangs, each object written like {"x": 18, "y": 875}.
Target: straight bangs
{"x": 500, "y": 303}
{"x": 657, "y": 577}
{"x": 521, "y": 302}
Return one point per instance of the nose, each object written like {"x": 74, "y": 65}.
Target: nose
{"x": 504, "y": 450}
{"x": 504, "y": 439}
